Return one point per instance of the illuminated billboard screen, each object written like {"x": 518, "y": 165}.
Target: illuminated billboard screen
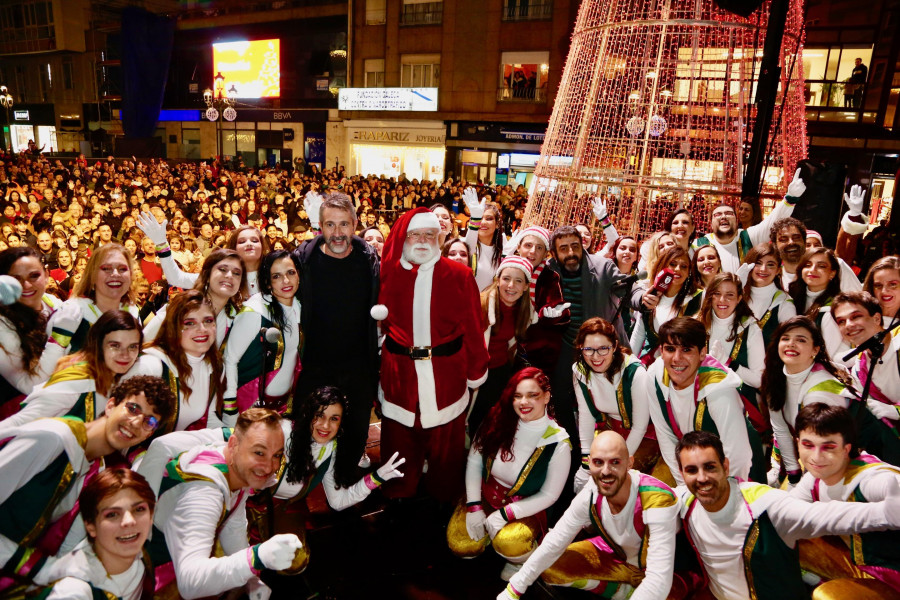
{"x": 252, "y": 67}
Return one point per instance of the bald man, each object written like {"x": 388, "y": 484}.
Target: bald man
{"x": 637, "y": 517}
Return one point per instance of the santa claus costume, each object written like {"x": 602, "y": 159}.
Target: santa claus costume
{"x": 433, "y": 353}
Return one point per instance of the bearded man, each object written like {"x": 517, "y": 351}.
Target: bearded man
{"x": 433, "y": 354}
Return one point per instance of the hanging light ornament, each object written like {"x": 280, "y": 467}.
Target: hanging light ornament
{"x": 635, "y": 126}
{"x": 658, "y": 125}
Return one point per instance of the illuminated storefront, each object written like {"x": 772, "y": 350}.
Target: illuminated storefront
{"x": 415, "y": 149}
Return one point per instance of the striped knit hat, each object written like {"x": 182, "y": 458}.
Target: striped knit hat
{"x": 538, "y": 232}
{"x": 516, "y": 262}
{"x": 812, "y": 233}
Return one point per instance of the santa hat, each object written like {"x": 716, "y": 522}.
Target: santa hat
{"x": 812, "y": 233}
{"x": 538, "y": 232}
{"x": 419, "y": 218}
{"x": 425, "y": 220}
{"x": 516, "y": 262}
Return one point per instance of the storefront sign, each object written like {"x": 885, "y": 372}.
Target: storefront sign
{"x": 21, "y": 115}
{"x": 522, "y": 136}
{"x": 400, "y": 136}
{"x": 397, "y": 99}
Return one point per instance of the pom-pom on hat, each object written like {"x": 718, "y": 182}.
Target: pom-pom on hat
{"x": 516, "y": 262}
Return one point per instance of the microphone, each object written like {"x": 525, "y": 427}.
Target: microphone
{"x": 874, "y": 343}
{"x": 629, "y": 281}
{"x": 10, "y": 290}
{"x": 270, "y": 334}
{"x": 663, "y": 281}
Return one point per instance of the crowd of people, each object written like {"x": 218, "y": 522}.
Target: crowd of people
{"x": 188, "y": 351}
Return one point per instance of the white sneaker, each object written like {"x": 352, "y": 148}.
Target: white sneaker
{"x": 365, "y": 462}
{"x": 509, "y": 569}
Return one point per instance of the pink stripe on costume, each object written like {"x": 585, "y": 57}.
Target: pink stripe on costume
{"x": 208, "y": 457}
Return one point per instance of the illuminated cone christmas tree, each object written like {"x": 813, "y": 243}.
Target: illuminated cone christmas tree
{"x": 655, "y": 110}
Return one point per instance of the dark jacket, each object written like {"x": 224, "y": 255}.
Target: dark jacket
{"x": 598, "y": 298}
{"x": 302, "y": 257}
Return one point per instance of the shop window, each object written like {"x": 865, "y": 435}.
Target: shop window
{"x": 833, "y": 79}
{"x": 527, "y": 10}
{"x": 523, "y": 77}
{"x": 190, "y": 143}
{"x": 419, "y": 12}
{"x": 374, "y": 69}
{"x": 376, "y": 12}
{"x": 420, "y": 70}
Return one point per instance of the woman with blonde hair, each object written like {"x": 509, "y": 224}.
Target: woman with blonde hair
{"x": 105, "y": 285}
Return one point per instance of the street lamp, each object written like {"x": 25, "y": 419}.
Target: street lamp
{"x": 6, "y": 100}
{"x": 220, "y": 104}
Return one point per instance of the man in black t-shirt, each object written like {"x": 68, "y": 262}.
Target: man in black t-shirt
{"x": 338, "y": 287}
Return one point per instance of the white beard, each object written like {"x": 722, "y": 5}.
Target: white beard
{"x": 419, "y": 254}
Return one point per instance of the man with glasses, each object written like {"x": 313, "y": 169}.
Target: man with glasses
{"x": 732, "y": 242}
{"x": 433, "y": 353}
{"x": 45, "y": 464}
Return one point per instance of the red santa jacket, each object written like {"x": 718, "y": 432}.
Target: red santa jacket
{"x": 430, "y": 305}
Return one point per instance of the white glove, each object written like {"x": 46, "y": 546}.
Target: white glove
{"x": 772, "y": 476}
{"x": 389, "y": 469}
{"x": 65, "y": 322}
{"x": 10, "y": 290}
{"x": 495, "y": 523}
{"x": 796, "y": 187}
{"x": 718, "y": 351}
{"x": 277, "y": 553}
{"x": 600, "y": 209}
{"x": 510, "y": 247}
{"x": 152, "y": 228}
{"x": 581, "y": 479}
{"x": 475, "y": 525}
{"x": 855, "y": 200}
{"x": 476, "y": 208}
{"x": 743, "y": 273}
{"x": 554, "y": 312}
{"x": 882, "y": 410}
{"x": 312, "y": 203}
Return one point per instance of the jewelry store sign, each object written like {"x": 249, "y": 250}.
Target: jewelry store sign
{"x": 394, "y": 99}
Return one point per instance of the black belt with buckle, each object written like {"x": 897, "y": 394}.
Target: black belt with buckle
{"x": 423, "y": 352}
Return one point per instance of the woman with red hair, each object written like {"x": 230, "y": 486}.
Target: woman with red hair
{"x": 505, "y": 501}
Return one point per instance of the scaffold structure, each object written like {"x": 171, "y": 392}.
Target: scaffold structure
{"x": 655, "y": 111}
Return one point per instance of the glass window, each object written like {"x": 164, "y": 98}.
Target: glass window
{"x": 375, "y": 12}
{"x": 68, "y": 78}
{"x": 833, "y": 78}
{"x": 374, "y": 70}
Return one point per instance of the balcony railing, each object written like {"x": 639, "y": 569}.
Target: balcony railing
{"x": 527, "y": 10}
{"x": 525, "y": 94}
{"x": 427, "y": 13}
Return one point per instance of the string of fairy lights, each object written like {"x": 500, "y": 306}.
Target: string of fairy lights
{"x": 655, "y": 109}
